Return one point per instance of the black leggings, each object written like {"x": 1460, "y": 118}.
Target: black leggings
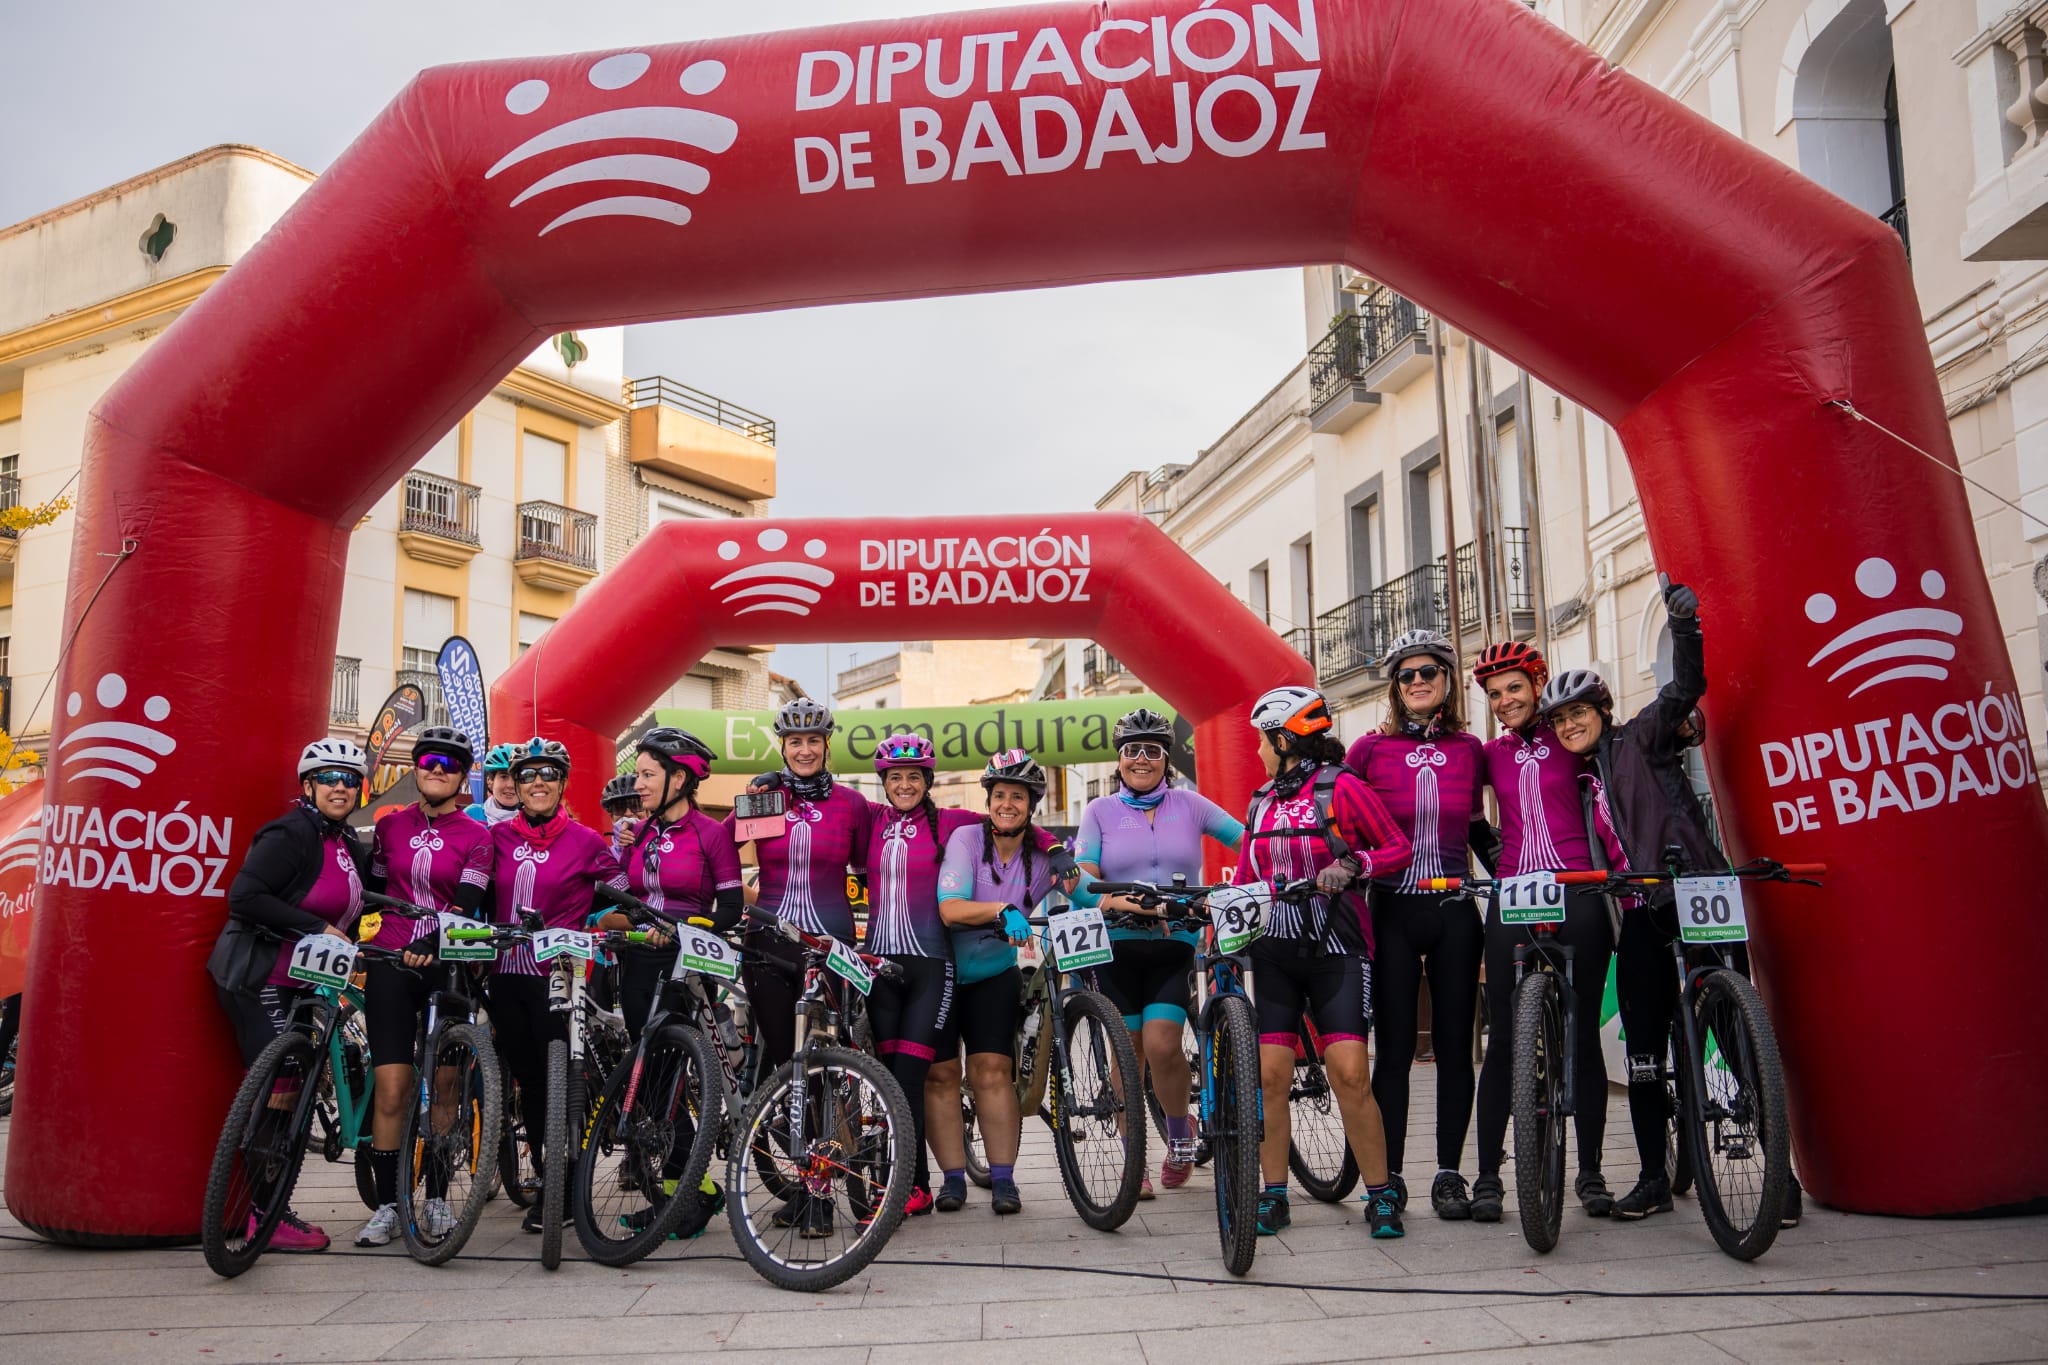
{"x": 257, "y": 1016}
{"x": 1646, "y": 986}
{"x": 1588, "y": 932}
{"x": 908, "y": 1017}
{"x": 641, "y": 972}
{"x": 772, "y": 969}
{"x": 523, "y": 1026}
{"x": 1416, "y": 936}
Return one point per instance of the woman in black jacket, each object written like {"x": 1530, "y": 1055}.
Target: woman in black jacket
{"x": 304, "y": 874}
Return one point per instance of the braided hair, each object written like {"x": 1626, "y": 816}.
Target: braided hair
{"x": 1028, "y": 835}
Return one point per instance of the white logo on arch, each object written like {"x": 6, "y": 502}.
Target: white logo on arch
{"x": 641, "y": 123}
{"x": 120, "y": 751}
{"x": 1902, "y": 641}
{"x": 786, "y": 584}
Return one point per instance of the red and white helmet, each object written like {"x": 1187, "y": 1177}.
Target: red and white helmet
{"x": 1297, "y": 710}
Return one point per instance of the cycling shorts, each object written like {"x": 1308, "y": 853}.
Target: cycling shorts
{"x": 394, "y": 1000}
{"x": 1148, "y": 980}
{"x": 986, "y": 1016}
{"x": 911, "y": 1014}
{"x": 1333, "y": 989}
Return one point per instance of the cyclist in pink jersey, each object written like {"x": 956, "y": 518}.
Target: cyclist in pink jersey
{"x": 906, "y": 847}
{"x": 1543, "y": 829}
{"x": 1316, "y": 956}
{"x": 1430, "y": 771}
{"x": 803, "y": 870}
{"x": 432, "y": 854}
{"x": 544, "y": 861}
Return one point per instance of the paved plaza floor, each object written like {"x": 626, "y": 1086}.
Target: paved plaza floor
{"x": 1042, "y": 1286}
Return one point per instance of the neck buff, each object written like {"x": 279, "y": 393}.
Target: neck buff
{"x": 1423, "y": 730}
{"x": 329, "y": 829}
{"x": 1147, "y": 801}
{"x": 544, "y": 832}
{"x": 1289, "y": 783}
{"x": 816, "y": 787}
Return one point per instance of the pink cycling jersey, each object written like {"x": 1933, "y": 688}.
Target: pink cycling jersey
{"x": 336, "y": 896}
{"x": 425, "y": 860}
{"x": 1542, "y": 821}
{"x": 1340, "y": 924}
{"x": 803, "y": 873}
{"x": 554, "y": 869}
{"x": 1432, "y": 788}
{"x": 903, "y": 881}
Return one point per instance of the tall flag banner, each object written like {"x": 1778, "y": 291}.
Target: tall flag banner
{"x": 462, "y": 689}
{"x": 401, "y": 711}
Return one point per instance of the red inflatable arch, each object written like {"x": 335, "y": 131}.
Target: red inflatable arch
{"x": 1699, "y": 295}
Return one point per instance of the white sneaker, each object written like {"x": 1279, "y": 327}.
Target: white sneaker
{"x": 437, "y": 1220}
{"x": 377, "y": 1232}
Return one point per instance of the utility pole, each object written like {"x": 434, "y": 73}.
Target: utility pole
{"x": 1443, "y": 449}
{"x": 1482, "y": 492}
{"x": 1532, "y": 510}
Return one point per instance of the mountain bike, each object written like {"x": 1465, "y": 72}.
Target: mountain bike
{"x": 307, "y": 1075}
{"x": 448, "y": 1148}
{"x": 820, "y": 1164}
{"x": 1318, "y": 1152}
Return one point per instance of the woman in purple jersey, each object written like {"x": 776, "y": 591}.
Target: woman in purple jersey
{"x": 906, "y": 848}
{"x": 803, "y": 870}
{"x": 432, "y": 854}
{"x": 1429, "y": 770}
{"x": 544, "y": 861}
{"x": 1543, "y": 828}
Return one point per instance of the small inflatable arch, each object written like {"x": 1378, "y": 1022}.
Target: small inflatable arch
{"x": 1712, "y": 305}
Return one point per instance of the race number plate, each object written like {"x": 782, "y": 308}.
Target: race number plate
{"x": 1079, "y": 939}
{"x": 1710, "y": 910}
{"x": 1532, "y": 898}
{"x": 699, "y": 950}
{"x": 323, "y": 960}
{"x": 1240, "y": 920}
{"x": 463, "y": 952}
{"x": 847, "y": 964}
{"x": 549, "y": 944}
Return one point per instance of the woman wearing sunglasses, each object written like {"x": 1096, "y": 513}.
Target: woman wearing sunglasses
{"x": 907, "y": 844}
{"x": 1147, "y": 831}
{"x": 541, "y": 860}
{"x": 1428, "y": 770}
{"x": 303, "y": 875}
{"x": 432, "y": 854}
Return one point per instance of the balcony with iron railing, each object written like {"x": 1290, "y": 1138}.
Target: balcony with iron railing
{"x": 1100, "y": 668}
{"x": 1895, "y": 219}
{"x": 700, "y": 437}
{"x": 439, "y": 519}
{"x": 346, "y": 706}
{"x": 1356, "y": 634}
{"x": 557, "y": 546}
{"x": 870, "y": 675}
{"x": 10, "y": 498}
{"x": 428, "y": 681}
{"x": 1378, "y": 348}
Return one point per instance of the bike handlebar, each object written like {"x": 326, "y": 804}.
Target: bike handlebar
{"x": 881, "y": 966}
{"x": 1762, "y": 869}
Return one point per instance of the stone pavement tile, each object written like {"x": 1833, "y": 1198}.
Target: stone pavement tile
{"x": 1094, "y": 1350}
{"x": 904, "y": 1286}
{"x": 1418, "y": 1293}
{"x": 1578, "y": 1318}
{"x": 863, "y": 1326}
{"x": 2008, "y": 1239}
{"x": 1683, "y": 1348}
{"x": 817, "y": 1355}
{"x": 184, "y": 1310}
{"x": 1792, "y": 1258}
{"x": 218, "y": 1345}
{"x": 453, "y": 1304}
{"x": 1071, "y": 1315}
{"x": 1170, "y": 1222}
{"x": 1912, "y": 1291}
{"x": 306, "y": 1274}
{"x": 1481, "y": 1246}
{"x": 1111, "y": 1251}
{"x": 193, "y": 1278}
{"x": 551, "y": 1337}
{"x": 1315, "y": 1269}
{"x": 1924, "y": 1338}
{"x": 1394, "y": 1335}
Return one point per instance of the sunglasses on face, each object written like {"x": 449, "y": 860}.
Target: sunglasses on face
{"x": 1155, "y": 752}
{"x": 1427, "y": 673}
{"x": 338, "y": 778}
{"x": 539, "y": 772}
{"x": 440, "y": 763}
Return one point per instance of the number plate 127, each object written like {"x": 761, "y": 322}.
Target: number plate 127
{"x": 1532, "y": 898}
{"x": 1079, "y": 939}
{"x": 1710, "y": 910}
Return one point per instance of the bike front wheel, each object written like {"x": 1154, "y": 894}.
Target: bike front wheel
{"x": 1235, "y": 1122}
{"x": 1098, "y": 1128}
{"x": 1318, "y": 1152}
{"x": 1738, "y": 1129}
{"x": 970, "y": 1138}
{"x": 1537, "y": 1102}
{"x": 848, "y": 1177}
{"x": 657, "y": 1122}
{"x": 256, "y": 1163}
{"x": 557, "y": 1157}
{"x": 448, "y": 1154}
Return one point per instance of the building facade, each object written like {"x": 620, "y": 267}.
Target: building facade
{"x": 943, "y": 673}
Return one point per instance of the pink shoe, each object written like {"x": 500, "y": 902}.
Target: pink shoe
{"x": 295, "y": 1234}
{"x": 1145, "y": 1189}
{"x": 1174, "y": 1174}
{"x": 920, "y": 1203}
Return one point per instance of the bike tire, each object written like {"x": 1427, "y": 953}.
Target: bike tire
{"x": 517, "y": 1174}
{"x": 844, "y": 1086}
{"x": 678, "y": 1072}
{"x": 476, "y": 1106}
{"x": 1677, "y": 1140}
{"x": 1318, "y": 1152}
{"x": 247, "y": 1195}
{"x": 1235, "y": 1126}
{"x": 1099, "y": 1130}
{"x": 1740, "y": 1132}
{"x": 557, "y": 1157}
{"x": 1537, "y": 1102}
{"x": 970, "y": 1138}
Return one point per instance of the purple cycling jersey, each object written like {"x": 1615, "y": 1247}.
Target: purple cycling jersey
{"x": 554, "y": 869}
{"x": 336, "y": 896}
{"x": 424, "y": 860}
{"x": 681, "y": 869}
{"x": 903, "y": 881}
{"x": 1128, "y": 846}
{"x": 1431, "y": 787}
{"x": 803, "y": 874}
{"x": 972, "y": 872}
{"x": 1542, "y": 821}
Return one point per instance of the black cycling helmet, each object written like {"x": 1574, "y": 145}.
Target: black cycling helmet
{"x": 1143, "y": 723}
{"x": 539, "y": 749}
{"x": 620, "y": 791}
{"x": 1014, "y": 765}
{"x": 444, "y": 739}
{"x": 677, "y": 748}
{"x": 1577, "y": 684}
{"x": 804, "y": 717}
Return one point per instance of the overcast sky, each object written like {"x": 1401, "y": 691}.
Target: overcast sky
{"x": 1006, "y": 402}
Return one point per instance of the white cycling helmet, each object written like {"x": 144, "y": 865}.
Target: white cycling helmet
{"x": 1297, "y": 710}
{"x": 324, "y": 754}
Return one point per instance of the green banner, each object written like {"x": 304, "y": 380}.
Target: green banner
{"x": 1056, "y": 733}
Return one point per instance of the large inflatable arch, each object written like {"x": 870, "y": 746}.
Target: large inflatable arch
{"x": 1707, "y": 301}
